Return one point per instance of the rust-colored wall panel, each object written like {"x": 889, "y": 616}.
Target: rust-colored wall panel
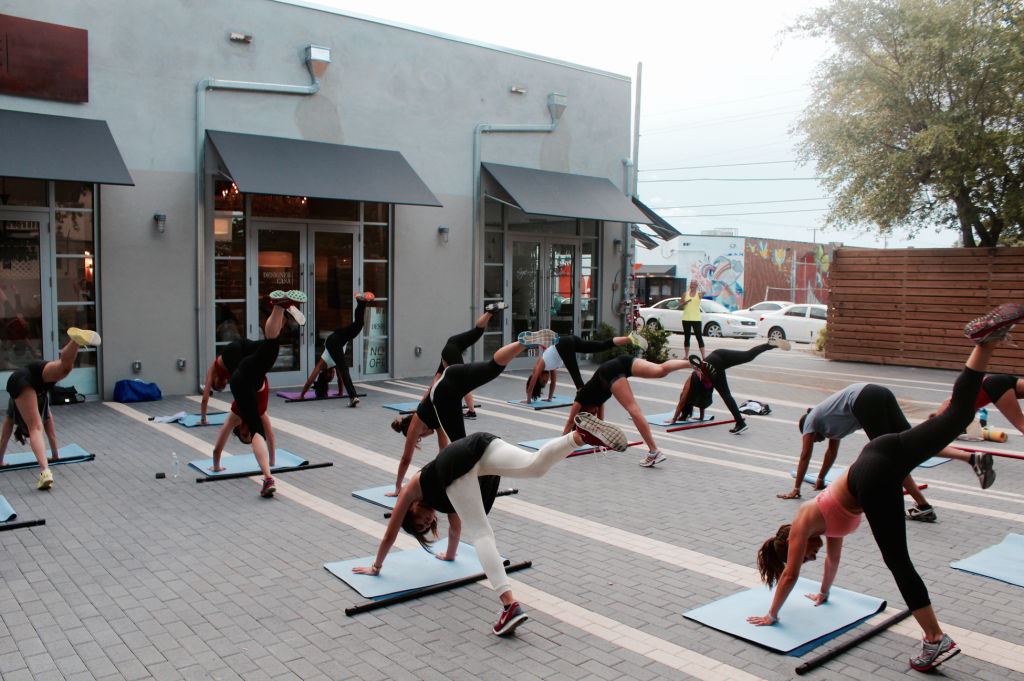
{"x": 43, "y": 60}
{"x": 908, "y": 307}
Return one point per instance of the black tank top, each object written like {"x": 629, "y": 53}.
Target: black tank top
{"x": 700, "y": 395}
{"x": 456, "y": 460}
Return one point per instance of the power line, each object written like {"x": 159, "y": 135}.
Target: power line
{"x": 741, "y": 203}
{"x": 769, "y": 212}
{"x": 743, "y": 115}
{"x": 722, "y": 122}
{"x": 724, "y": 165}
{"x": 732, "y": 151}
{"x": 731, "y": 101}
{"x": 735, "y": 179}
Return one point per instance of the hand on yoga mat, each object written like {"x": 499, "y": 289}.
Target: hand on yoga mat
{"x": 765, "y": 621}
{"x": 444, "y": 556}
{"x": 818, "y": 598}
{"x": 366, "y": 571}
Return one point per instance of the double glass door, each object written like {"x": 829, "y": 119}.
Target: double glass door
{"x": 544, "y": 293}
{"x": 323, "y": 262}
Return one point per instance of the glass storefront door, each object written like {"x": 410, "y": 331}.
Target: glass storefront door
{"x": 543, "y": 286}
{"x": 332, "y": 287}
{"x": 27, "y": 319}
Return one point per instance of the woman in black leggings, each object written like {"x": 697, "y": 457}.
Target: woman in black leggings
{"x": 219, "y": 373}
{"x": 873, "y": 486}
{"x": 455, "y": 346}
{"x": 714, "y": 366}
{"x": 545, "y": 371}
{"x": 333, "y": 356}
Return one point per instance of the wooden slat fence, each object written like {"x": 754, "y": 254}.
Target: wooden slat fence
{"x": 909, "y": 306}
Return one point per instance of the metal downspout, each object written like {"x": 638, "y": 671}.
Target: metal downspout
{"x": 317, "y": 59}
{"x": 556, "y": 105}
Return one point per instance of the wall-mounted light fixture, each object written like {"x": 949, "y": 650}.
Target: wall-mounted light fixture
{"x": 517, "y": 90}
{"x": 137, "y": 366}
{"x": 443, "y": 231}
{"x": 240, "y": 38}
{"x": 161, "y": 221}
{"x": 617, "y": 244}
{"x": 181, "y": 363}
{"x": 418, "y": 350}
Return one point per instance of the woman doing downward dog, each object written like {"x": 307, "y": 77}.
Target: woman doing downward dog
{"x": 873, "y": 486}
{"x": 715, "y": 365}
{"x": 451, "y": 353}
{"x": 413, "y": 429}
{"x": 545, "y": 371}
{"x": 29, "y": 388}
{"x": 462, "y": 482}
{"x": 606, "y": 382}
{"x": 333, "y": 356}
{"x": 696, "y": 392}
{"x": 251, "y": 390}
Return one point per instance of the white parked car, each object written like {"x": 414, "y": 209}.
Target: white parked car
{"x": 799, "y": 323}
{"x": 755, "y": 312}
{"x": 718, "y": 321}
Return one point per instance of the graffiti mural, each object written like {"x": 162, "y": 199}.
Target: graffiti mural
{"x": 786, "y": 270}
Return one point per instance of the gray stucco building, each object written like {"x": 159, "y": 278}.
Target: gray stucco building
{"x": 366, "y": 163}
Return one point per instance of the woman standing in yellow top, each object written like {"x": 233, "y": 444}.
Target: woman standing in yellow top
{"x": 691, "y": 318}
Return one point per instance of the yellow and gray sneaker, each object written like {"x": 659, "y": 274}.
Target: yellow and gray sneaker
{"x": 637, "y": 339}
{"x": 84, "y": 337}
{"x": 46, "y": 479}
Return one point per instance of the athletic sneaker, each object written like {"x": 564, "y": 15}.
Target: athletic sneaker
{"x": 494, "y": 307}
{"x": 780, "y": 343}
{"x": 700, "y": 365}
{"x": 297, "y": 315}
{"x": 923, "y": 513}
{"x": 46, "y": 479}
{"x": 509, "y": 618}
{"x": 653, "y": 458}
{"x": 365, "y": 295}
{"x": 353, "y": 401}
{"x": 544, "y": 338}
{"x": 982, "y": 328}
{"x": 470, "y": 414}
{"x": 637, "y": 339}
{"x": 84, "y": 337}
{"x": 934, "y": 654}
{"x": 739, "y": 427}
{"x": 268, "y": 488}
{"x": 594, "y": 431}
{"x": 983, "y": 469}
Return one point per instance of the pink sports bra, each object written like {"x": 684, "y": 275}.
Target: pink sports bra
{"x": 838, "y": 521}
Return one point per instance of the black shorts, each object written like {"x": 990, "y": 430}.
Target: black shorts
{"x": 427, "y": 414}
{"x": 997, "y": 385}
{"x": 616, "y": 368}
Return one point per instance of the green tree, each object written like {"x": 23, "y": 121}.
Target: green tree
{"x": 917, "y": 115}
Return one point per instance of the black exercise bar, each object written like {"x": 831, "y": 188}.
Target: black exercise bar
{"x": 275, "y": 471}
{"x": 501, "y": 493}
{"x": 839, "y": 650}
{"x": 27, "y": 523}
{"x": 320, "y": 399}
{"x": 33, "y": 464}
{"x": 437, "y": 588}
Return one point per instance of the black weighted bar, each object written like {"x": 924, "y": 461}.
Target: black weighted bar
{"x": 33, "y": 464}
{"x": 437, "y": 588}
{"x": 27, "y": 523}
{"x": 856, "y": 641}
{"x": 501, "y": 493}
{"x": 275, "y": 471}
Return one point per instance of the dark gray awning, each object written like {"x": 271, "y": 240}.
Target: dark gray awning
{"x": 44, "y": 147}
{"x": 290, "y": 167}
{"x": 543, "y": 192}
{"x": 661, "y": 229}
{"x": 645, "y": 239}
{"x": 656, "y": 270}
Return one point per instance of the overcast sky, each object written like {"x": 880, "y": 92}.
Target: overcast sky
{"x": 719, "y": 88}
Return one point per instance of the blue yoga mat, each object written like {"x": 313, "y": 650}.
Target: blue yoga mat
{"x": 28, "y": 459}
{"x": 192, "y": 420}
{"x": 830, "y": 477}
{"x": 556, "y": 401}
{"x": 537, "y": 444}
{"x": 402, "y": 406}
{"x": 933, "y": 462}
{"x": 802, "y": 627}
{"x": 375, "y": 495}
{"x": 407, "y": 570}
{"x": 1004, "y": 561}
{"x": 7, "y": 513}
{"x": 664, "y": 419}
{"x": 246, "y": 463}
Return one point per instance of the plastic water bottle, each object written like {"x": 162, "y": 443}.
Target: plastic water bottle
{"x": 174, "y": 463}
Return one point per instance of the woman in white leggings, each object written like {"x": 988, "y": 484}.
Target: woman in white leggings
{"x": 463, "y": 481}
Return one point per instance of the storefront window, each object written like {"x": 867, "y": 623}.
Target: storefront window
{"x": 17, "y": 192}
{"x": 304, "y": 208}
{"x": 228, "y": 263}
{"x": 74, "y": 243}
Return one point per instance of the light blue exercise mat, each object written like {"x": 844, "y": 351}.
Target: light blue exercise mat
{"x": 802, "y": 627}
{"x": 665, "y": 419}
{"x": 193, "y": 420}
{"x": 375, "y": 495}
{"x": 1004, "y": 561}
{"x": 246, "y": 463}
{"x": 402, "y": 406}
{"x": 556, "y": 401}
{"x": 408, "y": 570}
{"x": 830, "y": 477}
{"x": 28, "y": 460}
{"x": 7, "y": 513}
{"x": 537, "y": 444}
{"x": 933, "y": 462}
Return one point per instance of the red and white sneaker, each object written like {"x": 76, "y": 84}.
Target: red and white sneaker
{"x": 509, "y": 619}
{"x": 987, "y": 329}
{"x": 600, "y": 433}
{"x": 268, "y": 488}
{"x": 365, "y": 295}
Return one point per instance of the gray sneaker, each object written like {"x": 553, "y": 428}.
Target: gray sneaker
{"x": 653, "y": 458}
{"x": 922, "y": 513}
{"x": 934, "y": 654}
{"x": 600, "y": 433}
{"x": 983, "y": 469}
{"x": 543, "y": 338}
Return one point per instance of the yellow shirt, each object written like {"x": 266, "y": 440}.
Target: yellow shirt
{"x": 691, "y": 308}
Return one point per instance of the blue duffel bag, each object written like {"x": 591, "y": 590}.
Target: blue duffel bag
{"x": 136, "y": 391}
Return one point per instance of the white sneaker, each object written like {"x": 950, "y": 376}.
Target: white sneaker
{"x": 638, "y": 340}
{"x": 297, "y": 315}
{"x": 781, "y": 343}
{"x": 653, "y": 458}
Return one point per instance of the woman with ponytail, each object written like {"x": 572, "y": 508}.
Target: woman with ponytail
{"x": 873, "y": 487}
{"x": 414, "y": 429}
